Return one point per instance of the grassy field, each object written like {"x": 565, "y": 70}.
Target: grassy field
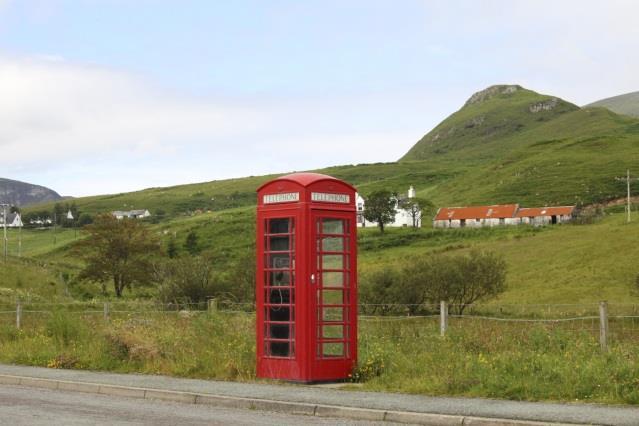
{"x": 560, "y": 264}
{"x": 481, "y": 359}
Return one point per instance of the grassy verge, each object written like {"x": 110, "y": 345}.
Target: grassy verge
{"x": 477, "y": 358}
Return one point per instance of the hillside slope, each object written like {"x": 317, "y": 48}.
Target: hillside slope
{"x": 23, "y": 194}
{"x": 507, "y": 144}
{"x": 492, "y": 115}
{"x": 627, "y": 104}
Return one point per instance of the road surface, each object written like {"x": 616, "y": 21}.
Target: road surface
{"x": 39, "y": 407}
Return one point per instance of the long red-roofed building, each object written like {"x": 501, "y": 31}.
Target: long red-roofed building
{"x": 501, "y": 214}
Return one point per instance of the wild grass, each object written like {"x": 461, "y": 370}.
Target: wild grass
{"x": 476, "y": 358}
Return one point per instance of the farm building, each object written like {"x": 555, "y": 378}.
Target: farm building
{"x": 506, "y": 214}
{"x": 403, "y": 217}
{"x": 545, "y": 215}
{"x": 131, "y": 214}
{"x": 476, "y": 217}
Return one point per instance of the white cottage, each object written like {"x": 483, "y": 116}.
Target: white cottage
{"x": 403, "y": 217}
{"x": 131, "y": 214}
{"x": 13, "y": 220}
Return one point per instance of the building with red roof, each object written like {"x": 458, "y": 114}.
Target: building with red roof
{"x": 500, "y": 214}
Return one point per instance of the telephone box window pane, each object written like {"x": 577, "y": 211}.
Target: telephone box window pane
{"x": 333, "y": 349}
{"x": 333, "y": 331}
{"x": 280, "y": 243}
{"x": 278, "y": 226}
{"x": 280, "y": 261}
{"x": 332, "y": 244}
{"x": 279, "y": 331}
{"x": 332, "y": 297}
{"x": 279, "y": 296}
{"x": 280, "y": 278}
{"x": 333, "y": 314}
{"x": 333, "y": 279}
{"x": 334, "y": 261}
{"x": 279, "y": 313}
{"x": 332, "y": 226}
{"x": 279, "y": 348}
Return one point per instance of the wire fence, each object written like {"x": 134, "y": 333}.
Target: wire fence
{"x": 611, "y": 321}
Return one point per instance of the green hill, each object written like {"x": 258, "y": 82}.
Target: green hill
{"x": 506, "y": 144}
{"x": 627, "y": 104}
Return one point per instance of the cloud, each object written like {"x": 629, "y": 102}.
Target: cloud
{"x": 85, "y": 129}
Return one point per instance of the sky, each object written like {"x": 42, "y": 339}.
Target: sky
{"x": 109, "y": 96}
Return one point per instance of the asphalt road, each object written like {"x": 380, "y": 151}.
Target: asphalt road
{"x": 34, "y": 407}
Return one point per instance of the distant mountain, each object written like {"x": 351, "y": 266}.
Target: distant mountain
{"x": 627, "y": 104}
{"x": 490, "y": 116}
{"x": 23, "y": 194}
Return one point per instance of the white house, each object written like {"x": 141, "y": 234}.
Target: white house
{"x": 131, "y": 214}
{"x": 403, "y": 217}
{"x": 13, "y": 220}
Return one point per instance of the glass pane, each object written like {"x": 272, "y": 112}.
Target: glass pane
{"x": 279, "y": 313}
{"x": 332, "y": 226}
{"x": 279, "y": 296}
{"x": 333, "y": 279}
{"x": 333, "y": 331}
{"x": 278, "y": 348}
{"x": 279, "y": 244}
{"x": 332, "y": 297}
{"x": 278, "y": 226}
{"x": 280, "y": 261}
{"x": 280, "y": 278}
{"x": 333, "y": 314}
{"x": 334, "y": 261}
{"x": 332, "y": 244}
{"x": 333, "y": 349}
{"x": 279, "y": 331}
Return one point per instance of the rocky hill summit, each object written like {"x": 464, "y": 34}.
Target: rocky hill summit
{"x": 491, "y": 92}
{"x": 489, "y": 116}
{"x": 23, "y": 194}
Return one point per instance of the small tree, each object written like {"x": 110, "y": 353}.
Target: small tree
{"x": 119, "y": 251}
{"x": 416, "y": 208}
{"x": 463, "y": 280}
{"x": 186, "y": 279}
{"x": 380, "y": 208}
{"x": 191, "y": 244}
{"x": 171, "y": 248}
{"x": 85, "y": 219}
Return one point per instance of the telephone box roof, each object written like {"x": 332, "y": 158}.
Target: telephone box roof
{"x": 306, "y": 179}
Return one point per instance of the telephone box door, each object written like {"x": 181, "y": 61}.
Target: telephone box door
{"x": 334, "y": 306}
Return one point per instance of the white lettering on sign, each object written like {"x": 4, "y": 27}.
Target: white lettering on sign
{"x": 287, "y": 197}
{"x": 330, "y": 198}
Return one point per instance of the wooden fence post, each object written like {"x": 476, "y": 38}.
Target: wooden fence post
{"x": 443, "y": 317}
{"x": 106, "y": 311}
{"x": 18, "y": 315}
{"x": 212, "y": 308}
{"x": 603, "y": 325}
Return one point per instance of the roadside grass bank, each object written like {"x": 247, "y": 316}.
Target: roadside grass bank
{"x": 479, "y": 358}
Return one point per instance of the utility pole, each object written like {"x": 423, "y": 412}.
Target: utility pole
{"x": 4, "y": 225}
{"x": 627, "y": 179}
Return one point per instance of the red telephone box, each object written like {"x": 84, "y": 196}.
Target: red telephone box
{"x": 306, "y": 279}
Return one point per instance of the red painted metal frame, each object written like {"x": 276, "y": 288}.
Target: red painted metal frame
{"x": 305, "y": 364}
